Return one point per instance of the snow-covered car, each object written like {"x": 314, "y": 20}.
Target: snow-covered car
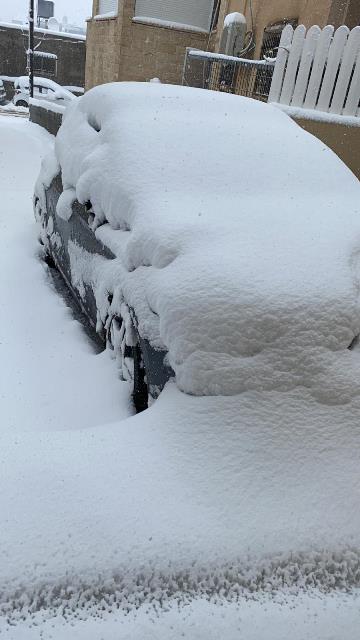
{"x": 206, "y": 237}
{"x": 44, "y": 89}
{"x": 2, "y": 92}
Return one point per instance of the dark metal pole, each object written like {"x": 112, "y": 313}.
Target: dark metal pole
{"x": 31, "y": 48}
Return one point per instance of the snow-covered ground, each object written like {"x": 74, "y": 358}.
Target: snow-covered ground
{"x": 46, "y": 383}
{"x": 203, "y": 518}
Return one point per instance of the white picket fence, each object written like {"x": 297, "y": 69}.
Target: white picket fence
{"x": 318, "y": 69}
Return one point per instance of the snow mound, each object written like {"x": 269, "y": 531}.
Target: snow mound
{"x": 219, "y": 498}
{"x": 240, "y": 236}
{"x": 234, "y": 18}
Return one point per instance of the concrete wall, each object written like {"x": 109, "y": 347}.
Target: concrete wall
{"x": 46, "y": 118}
{"x": 69, "y": 51}
{"x": 344, "y": 140}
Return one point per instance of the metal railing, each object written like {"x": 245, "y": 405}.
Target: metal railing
{"x": 218, "y": 72}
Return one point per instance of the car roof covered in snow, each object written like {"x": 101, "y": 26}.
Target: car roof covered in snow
{"x": 23, "y": 83}
{"x": 237, "y": 235}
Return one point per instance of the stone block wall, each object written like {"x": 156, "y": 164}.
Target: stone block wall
{"x": 119, "y": 49}
{"x": 70, "y": 53}
{"x": 102, "y": 52}
{"x": 46, "y": 118}
{"x": 150, "y": 51}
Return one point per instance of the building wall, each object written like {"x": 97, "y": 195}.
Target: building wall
{"x": 119, "y": 49}
{"x": 307, "y": 12}
{"x": 69, "y": 51}
{"x": 345, "y": 12}
{"x": 344, "y": 140}
{"x": 102, "y": 52}
{"x": 149, "y": 51}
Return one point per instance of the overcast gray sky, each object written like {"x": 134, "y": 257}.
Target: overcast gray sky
{"x": 76, "y": 10}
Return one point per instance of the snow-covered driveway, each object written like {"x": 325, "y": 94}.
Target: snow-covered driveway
{"x": 48, "y": 365}
{"x": 240, "y": 501}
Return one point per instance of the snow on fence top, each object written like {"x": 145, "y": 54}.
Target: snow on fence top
{"x": 319, "y": 70}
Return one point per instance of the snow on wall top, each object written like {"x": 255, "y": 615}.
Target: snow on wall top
{"x": 239, "y": 235}
{"x": 61, "y": 34}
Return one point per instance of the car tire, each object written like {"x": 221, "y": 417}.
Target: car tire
{"x": 135, "y": 372}
{"x": 22, "y": 103}
{"x": 140, "y": 388}
{"x": 49, "y": 260}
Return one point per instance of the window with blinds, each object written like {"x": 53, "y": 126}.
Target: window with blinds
{"x": 196, "y": 13}
{"x": 108, "y": 6}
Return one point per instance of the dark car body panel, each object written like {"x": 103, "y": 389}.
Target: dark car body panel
{"x": 78, "y": 231}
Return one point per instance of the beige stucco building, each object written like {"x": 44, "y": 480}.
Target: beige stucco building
{"x": 128, "y": 48}
{"x": 307, "y": 12}
{"x": 142, "y": 39}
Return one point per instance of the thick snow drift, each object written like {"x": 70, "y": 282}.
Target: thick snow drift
{"x": 237, "y": 235}
{"x": 220, "y": 498}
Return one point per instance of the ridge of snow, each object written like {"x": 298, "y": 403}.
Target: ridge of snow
{"x": 197, "y": 53}
{"x": 25, "y": 27}
{"x": 106, "y": 16}
{"x": 49, "y": 105}
{"x": 168, "y": 24}
{"x": 318, "y": 116}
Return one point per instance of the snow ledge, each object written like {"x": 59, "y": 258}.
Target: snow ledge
{"x": 166, "y": 24}
{"x": 318, "y": 116}
{"x": 49, "y": 106}
{"x": 111, "y": 15}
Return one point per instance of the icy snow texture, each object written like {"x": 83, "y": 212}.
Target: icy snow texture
{"x": 222, "y": 498}
{"x": 306, "y": 618}
{"x": 242, "y": 240}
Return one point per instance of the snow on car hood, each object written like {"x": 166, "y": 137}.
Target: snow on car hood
{"x": 239, "y": 235}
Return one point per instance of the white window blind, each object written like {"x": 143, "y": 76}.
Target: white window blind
{"x": 108, "y": 6}
{"x": 195, "y": 13}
